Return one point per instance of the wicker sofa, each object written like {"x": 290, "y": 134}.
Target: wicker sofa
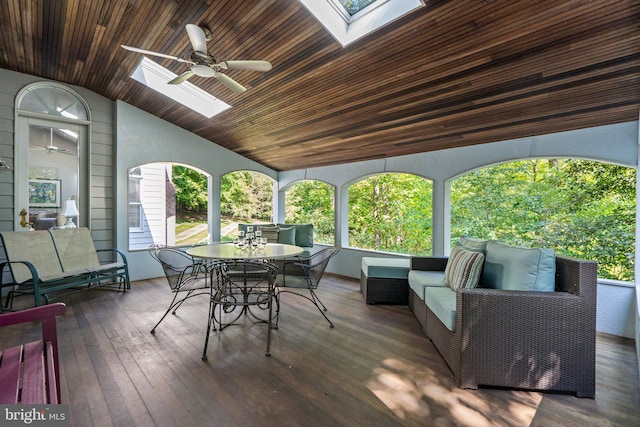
{"x": 524, "y": 339}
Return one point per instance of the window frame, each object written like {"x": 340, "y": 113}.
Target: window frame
{"x": 135, "y": 176}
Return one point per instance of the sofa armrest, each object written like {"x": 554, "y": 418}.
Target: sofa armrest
{"x": 576, "y": 276}
{"x": 525, "y": 339}
{"x": 502, "y": 303}
{"x": 430, "y": 263}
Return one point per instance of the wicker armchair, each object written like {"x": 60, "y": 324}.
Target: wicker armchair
{"x": 522, "y": 339}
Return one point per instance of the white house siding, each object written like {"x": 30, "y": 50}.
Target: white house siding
{"x": 154, "y": 221}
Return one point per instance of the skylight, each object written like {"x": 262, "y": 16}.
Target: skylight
{"x": 155, "y": 76}
{"x": 349, "y": 20}
{"x": 354, "y": 6}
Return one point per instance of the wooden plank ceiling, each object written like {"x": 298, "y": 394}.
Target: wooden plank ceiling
{"x": 452, "y": 73}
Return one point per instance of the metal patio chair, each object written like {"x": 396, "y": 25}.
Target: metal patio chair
{"x": 187, "y": 277}
{"x": 245, "y": 287}
{"x": 313, "y": 269}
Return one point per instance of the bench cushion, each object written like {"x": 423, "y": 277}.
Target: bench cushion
{"x": 287, "y": 235}
{"x": 303, "y": 234}
{"x": 418, "y": 280}
{"x": 386, "y": 268}
{"x": 520, "y": 269}
{"x": 472, "y": 244}
{"x": 75, "y": 248}
{"x": 34, "y": 246}
{"x": 442, "y": 302}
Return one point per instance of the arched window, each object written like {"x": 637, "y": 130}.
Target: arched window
{"x": 579, "y": 208}
{"x": 52, "y": 150}
{"x": 52, "y": 100}
{"x": 167, "y": 205}
{"x": 312, "y": 202}
{"x": 391, "y": 212}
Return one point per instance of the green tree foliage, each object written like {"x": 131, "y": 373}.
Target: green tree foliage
{"x": 312, "y": 202}
{"x": 246, "y": 196}
{"x": 579, "y": 208}
{"x": 191, "y": 189}
{"x": 354, "y": 6}
{"x": 391, "y": 212}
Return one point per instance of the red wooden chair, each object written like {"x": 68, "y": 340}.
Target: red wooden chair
{"x": 30, "y": 373}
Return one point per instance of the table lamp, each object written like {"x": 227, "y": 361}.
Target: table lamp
{"x": 70, "y": 210}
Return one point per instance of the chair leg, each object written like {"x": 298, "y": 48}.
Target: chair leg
{"x": 175, "y": 295}
{"x": 177, "y": 305}
{"x": 318, "y": 303}
{"x": 331, "y": 325}
{"x": 206, "y": 338}
{"x": 270, "y": 302}
{"x": 9, "y": 301}
{"x": 314, "y": 300}
{"x": 276, "y": 296}
{"x": 317, "y": 299}
{"x": 210, "y": 321}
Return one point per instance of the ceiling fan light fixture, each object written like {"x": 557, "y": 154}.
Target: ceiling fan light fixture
{"x": 203, "y": 71}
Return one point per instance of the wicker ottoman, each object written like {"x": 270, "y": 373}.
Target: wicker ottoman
{"x": 385, "y": 280}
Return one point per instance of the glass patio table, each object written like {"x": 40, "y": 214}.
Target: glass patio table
{"x": 227, "y": 251}
{"x": 245, "y": 279}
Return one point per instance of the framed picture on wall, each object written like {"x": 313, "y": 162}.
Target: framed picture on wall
{"x": 44, "y": 193}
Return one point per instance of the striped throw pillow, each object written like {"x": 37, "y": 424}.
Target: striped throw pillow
{"x": 463, "y": 268}
{"x": 270, "y": 233}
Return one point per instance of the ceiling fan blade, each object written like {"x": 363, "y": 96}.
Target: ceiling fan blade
{"x": 246, "y": 65}
{"x": 181, "y": 78}
{"x": 149, "y": 52}
{"x": 229, "y": 82}
{"x": 197, "y": 37}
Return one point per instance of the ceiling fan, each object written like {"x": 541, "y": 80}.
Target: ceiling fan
{"x": 203, "y": 64}
{"x": 52, "y": 148}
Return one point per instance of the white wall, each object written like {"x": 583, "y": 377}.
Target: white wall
{"x": 616, "y": 308}
{"x": 143, "y": 138}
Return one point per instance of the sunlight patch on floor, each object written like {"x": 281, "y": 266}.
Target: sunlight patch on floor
{"x": 412, "y": 391}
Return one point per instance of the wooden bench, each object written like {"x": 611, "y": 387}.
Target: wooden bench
{"x": 45, "y": 261}
{"x": 30, "y": 373}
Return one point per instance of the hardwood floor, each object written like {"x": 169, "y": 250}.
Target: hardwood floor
{"x": 375, "y": 368}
